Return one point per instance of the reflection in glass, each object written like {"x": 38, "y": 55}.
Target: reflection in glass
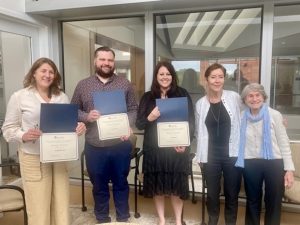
{"x": 195, "y": 40}
{"x": 286, "y": 66}
{"x": 188, "y": 76}
{"x": 125, "y": 36}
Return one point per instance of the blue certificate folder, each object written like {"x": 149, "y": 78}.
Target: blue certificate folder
{"x": 58, "y": 118}
{"x": 110, "y": 102}
{"x": 172, "y": 109}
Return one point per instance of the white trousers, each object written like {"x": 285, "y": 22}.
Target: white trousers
{"x": 46, "y": 187}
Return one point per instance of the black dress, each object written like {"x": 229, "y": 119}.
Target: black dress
{"x": 165, "y": 170}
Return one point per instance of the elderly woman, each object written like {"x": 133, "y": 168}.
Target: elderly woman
{"x": 265, "y": 154}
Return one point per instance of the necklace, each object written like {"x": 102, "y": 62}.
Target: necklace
{"x": 217, "y": 118}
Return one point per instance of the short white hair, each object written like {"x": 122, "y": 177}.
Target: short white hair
{"x": 253, "y": 87}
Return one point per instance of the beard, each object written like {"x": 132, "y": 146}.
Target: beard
{"x": 104, "y": 74}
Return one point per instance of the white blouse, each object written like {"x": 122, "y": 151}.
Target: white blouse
{"x": 23, "y": 113}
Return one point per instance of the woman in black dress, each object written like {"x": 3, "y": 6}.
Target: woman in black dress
{"x": 165, "y": 169}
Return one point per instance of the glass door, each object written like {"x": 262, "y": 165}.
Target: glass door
{"x": 15, "y": 61}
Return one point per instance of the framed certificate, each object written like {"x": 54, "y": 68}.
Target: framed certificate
{"x": 113, "y": 126}
{"x": 173, "y": 134}
{"x": 55, "y": 147}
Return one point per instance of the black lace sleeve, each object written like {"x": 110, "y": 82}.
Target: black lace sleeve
{"x": 146, "y": 105}
{"x": 184, "y": 93}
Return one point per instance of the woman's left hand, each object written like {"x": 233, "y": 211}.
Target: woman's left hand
{"x": 81, "y": 128}
{"x": 288, "y": 179}
{"x": 180, "y": 149}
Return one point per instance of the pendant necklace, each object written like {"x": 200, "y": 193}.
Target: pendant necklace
{"x": 217, "y": 118}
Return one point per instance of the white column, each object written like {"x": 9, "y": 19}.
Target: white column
{"x": 149, "y": 49}
{"x": 267, "y": 44}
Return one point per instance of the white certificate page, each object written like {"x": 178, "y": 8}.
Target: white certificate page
{"x": 113, "y": 126}
{"x": 55, "y": 147}
{"x": 173, "y": 134}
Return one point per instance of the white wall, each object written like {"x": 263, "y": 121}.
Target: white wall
{"x": 42, "y": 5}
{"x": 52, "y": 5}
{"x": 15, "y": 5}
{"x": 39, "y": 28}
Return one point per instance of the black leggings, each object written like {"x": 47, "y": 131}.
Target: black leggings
{"x": 213, "y": 171}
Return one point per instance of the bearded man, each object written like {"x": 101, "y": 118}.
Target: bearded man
{"x": 106, "y": 160}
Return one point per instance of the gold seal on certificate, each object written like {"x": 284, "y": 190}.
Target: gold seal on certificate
{"x": 55, "y": 147}
{"x": 173, "y": 134}
{"x": 113, "y": 126}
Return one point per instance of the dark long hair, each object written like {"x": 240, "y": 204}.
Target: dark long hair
{"x": 155, "y": 87}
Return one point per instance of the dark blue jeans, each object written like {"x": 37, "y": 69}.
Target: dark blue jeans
{"x": 106, "y": 164}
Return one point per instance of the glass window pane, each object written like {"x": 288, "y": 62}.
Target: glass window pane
{"x": 126, "y": 36}
{"x": 15, "y": 61}
{"x": 192, "y": 41}
{"x": 286, "y": 66}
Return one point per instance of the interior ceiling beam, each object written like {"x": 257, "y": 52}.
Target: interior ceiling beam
{"x": 166, "y": 34}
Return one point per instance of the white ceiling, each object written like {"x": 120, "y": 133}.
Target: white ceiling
{"x": 213, "y": 34}
{"x": 206, "y": 31}
{"x": 75, "y": 8}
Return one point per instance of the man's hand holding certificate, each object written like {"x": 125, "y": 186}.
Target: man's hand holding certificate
{"x": 113, "y": 122}
{"x": 172, "y": 125}
{"x": 59, "y": 141}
